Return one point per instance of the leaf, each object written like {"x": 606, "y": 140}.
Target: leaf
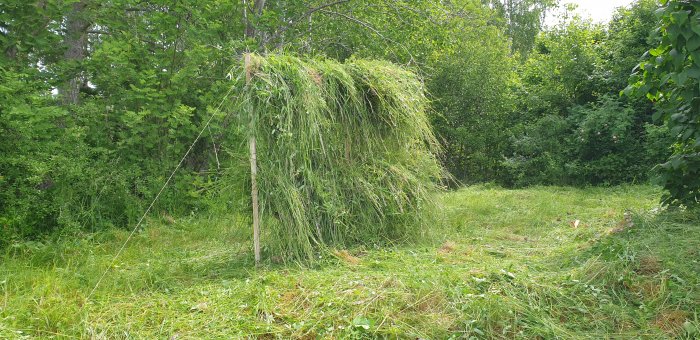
{"x": 695, "y": 23}
{"x": 689, "y": 328}
{"x": 678, "y": 58}
{"x": 644, "y": 88}
{"x": 361, "y": 322}
{"x": 681, "y": 78}
{"x": 656, "y": 116}
{"x": 693, "y": 43}
{"x": 628, "y": 91}
{"x": 655, "y": 52}
{"x": 662, "y": 10}
{"x": 665, "y": 79}
{"x": 680, "y": 17}
{"x": 689, "y": 132}
{"x": 696, "y": 57}
{"x": 676, "y": 163}
{"x": 680, "y": 117}
{"x": 693, "y": 72}
{"x": 673, "y": 33}
{"x": 677, "y": 129}
{"x": 200, "y": 307}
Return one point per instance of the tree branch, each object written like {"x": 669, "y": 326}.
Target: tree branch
{"x": 303, "y": 16}
{"x": 98, "y": 32}
{"x": 374, "y": 30}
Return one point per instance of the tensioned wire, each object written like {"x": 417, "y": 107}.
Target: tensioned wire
{"x": 138, "y": 224}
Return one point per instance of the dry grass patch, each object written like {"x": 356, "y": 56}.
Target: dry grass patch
{"x": 648, "y": 289}
{"x": 671, "y": 321}
{"x": 346, "y": 257}
{"x": 447, "y": 248}
{"x": 649, "y": 265}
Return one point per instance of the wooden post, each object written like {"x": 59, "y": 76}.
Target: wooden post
{"x": 253, "y": 173}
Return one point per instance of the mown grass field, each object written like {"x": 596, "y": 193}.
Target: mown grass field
{"x": 498, "y": 264}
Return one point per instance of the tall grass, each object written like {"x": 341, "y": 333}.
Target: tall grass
{"x": 345, "y": 151}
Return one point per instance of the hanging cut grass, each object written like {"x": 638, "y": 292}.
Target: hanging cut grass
{"x": 345, "y": 151}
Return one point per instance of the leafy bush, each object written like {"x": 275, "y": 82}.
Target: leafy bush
{"x": 538, "y": 154}
{"x": 606, "y": 146}
{"x": 670, "y": 76}
{"x": 598, "y": 143}
{"x": 570, "y": 127}
{"x": 63, "y": 169}
{"x": 471, "y": 102}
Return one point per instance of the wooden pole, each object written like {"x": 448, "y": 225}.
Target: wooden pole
{"x": 253, "y": 173}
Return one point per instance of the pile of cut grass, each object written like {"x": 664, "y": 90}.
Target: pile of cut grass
{"x": 508, "y": 264}
{"x": 345, "y": 153}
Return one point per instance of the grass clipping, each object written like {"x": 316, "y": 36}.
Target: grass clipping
{"x": 345, "y": 151}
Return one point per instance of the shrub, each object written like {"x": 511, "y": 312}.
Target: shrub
{"x": 599, "y": 143}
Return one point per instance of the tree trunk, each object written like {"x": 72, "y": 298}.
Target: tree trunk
{"x": 75, "y": 42}
{"x": 250, "y": 31}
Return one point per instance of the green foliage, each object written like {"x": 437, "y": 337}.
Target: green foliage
{"x": 469, "y": 91}
{"x": 556, "y": 77}
{"x": 670, "y": 76}
{"x": 568, "y": 127}
{"x": 629, "y": 35}
{"x": 598, "y": 143}
{"x": 153, "y": 73}
{"x": 36, "y": 150}
{"x": 524, "y": 20}
{"x": 472, "y": 101}
{"x": 537, "y": 156}
{"x": 345, "y": 151}
{"x": 605, "y": 145}
{"x": 150, "y": 73}
{"x": 562, "y": 70}
{"x": 49, "y": 175}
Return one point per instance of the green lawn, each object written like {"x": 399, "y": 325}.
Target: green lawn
{"x": 498, "y": 264}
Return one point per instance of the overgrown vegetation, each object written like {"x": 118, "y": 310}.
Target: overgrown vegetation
{"x": 133, "y": 83}
{"x": 670, "y": 75}
{"x": 345, "y": 151}
{"x": 100, "y": 99}
{"x": 500, "y": 263}
{"x": 570, "y": 126}
{"x": 359, "y": 109}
